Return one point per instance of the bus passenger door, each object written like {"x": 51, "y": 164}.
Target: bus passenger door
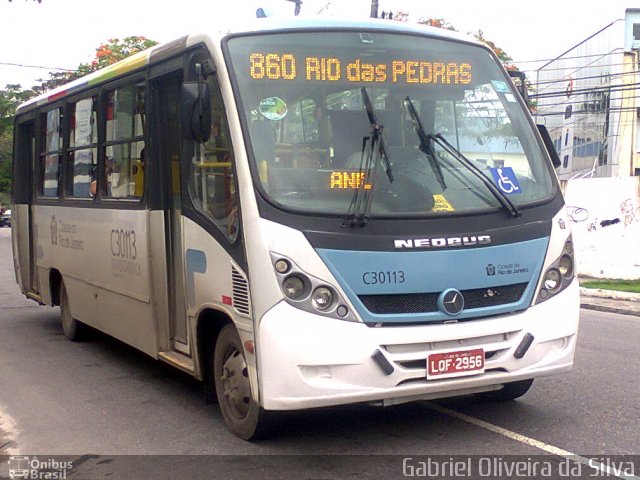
{"x": 24, "y": 247}
{"x": 166, "y": 223}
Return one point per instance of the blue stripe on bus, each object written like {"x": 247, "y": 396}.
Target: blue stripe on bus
{"x": 402, "y": 272}
{"x": 196, "y": 261}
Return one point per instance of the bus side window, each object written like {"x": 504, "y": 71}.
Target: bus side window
{"x": 125, "y": 136}
{"x": 211, "y": 178}
{"x": 83, "y": 138}
{"x": 51, "y": 154}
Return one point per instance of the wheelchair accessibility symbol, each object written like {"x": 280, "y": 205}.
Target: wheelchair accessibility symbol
{"x": 506, "y": 180}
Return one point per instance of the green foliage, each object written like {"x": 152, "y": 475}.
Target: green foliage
{"x": 108, "y": 53}
{"x": 438, "y": 23}
{"x": 11, "y": 96}
{"x": 613, "y": 284}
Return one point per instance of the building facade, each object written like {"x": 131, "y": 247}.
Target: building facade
{"x": 589, "y": 99}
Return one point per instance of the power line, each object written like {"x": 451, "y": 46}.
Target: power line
{"x": 609, "y": 75}
{"x": 36, "y": 66}
{"x": 622, "y": 89}
{"x": 593, "y": 63}
{"x": 604, "y": 89}
{"x": 566, "y": 58}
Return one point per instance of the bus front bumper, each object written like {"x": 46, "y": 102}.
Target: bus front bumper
{"x": 309, "y": 361}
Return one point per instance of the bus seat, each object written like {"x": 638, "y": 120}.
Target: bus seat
{"x": 263, "y": 140}
{"x": 138, "y": 178}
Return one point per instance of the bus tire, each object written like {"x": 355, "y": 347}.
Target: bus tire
{"x": 242, "y": 415}
{"x": 73, "y": 329}
{"x": 510, "y": 391}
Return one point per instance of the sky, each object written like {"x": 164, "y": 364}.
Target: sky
{"x": 65, "y": 33}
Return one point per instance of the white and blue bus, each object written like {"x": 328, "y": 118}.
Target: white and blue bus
{"x": 303, "y": 214}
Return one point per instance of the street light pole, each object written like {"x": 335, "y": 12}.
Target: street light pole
{"x": 374, "y": 8}
{"x": 297, "y": 7}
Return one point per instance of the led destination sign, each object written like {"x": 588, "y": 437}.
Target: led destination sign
{"x": 287, "y": 66}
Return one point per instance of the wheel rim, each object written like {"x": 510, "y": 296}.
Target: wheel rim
{"x": 235, "y": 384}
{"x": 65, "y": 312}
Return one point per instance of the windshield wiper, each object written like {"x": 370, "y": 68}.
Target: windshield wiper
{"x": 360, "y": 206}
{"x": 376, "y": 134}
{"x": 425, "y": 142}
{"x": 458, "y": 155}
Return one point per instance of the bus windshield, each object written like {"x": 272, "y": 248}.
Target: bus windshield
{"x": 310, "y": 134}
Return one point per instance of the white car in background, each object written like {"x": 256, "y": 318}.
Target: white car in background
{"x": 5, "y": 219}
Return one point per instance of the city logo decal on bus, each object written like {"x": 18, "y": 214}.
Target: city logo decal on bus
{"x": 65, "y": 234}
{"x": 441, "y": 242}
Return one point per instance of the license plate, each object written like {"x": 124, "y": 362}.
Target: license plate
{"x": 455, "y": 364}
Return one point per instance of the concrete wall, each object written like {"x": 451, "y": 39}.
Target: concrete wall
{"x": 605, "y": 217}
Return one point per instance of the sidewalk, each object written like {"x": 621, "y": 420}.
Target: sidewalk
{"x": 610, "y": 301}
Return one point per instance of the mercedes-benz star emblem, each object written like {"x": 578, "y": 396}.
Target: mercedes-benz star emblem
{"x": 451, "y": 302}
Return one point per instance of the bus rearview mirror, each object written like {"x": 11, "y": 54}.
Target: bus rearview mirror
{"x": 548, "y": 143}
{"x": 196, "y": 111}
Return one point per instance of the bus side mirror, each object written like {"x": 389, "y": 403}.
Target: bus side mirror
{"x": 195, "y": 108}
{"x": 520, "y": 81}
{"x": 548, "y": 143}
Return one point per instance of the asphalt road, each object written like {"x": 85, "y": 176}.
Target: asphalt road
{"x": 96, "y": 401}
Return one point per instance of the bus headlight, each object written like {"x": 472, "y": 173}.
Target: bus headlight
{"x": 552, "y": 280}
{"x": 309, "y": 293}
{"x": 282, "y": 266}
{"x": 559, "y": 274}
{"x": 566, "y": 266}
{"x": 322, "y": 298}
{"x": 293, "y": 287}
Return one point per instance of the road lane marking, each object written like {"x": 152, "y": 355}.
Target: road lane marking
{"x": 591, "y": 463}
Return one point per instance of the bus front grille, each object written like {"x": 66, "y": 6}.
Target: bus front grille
{"x": 428, "y": 302}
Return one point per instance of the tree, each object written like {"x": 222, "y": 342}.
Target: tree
{"x": 108, "y": 53}
{"x": 502, "y": 55}
{"x": 438, "y": 23}
{"x": 11, "y": 96}
{"x": 479, "y": 35}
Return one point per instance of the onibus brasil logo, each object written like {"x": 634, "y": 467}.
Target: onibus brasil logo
{"x": 38, "y": 469}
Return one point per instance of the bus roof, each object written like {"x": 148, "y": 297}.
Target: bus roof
{"x": 268, "y": 25}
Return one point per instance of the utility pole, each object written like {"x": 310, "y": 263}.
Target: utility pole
{"x": 297, "y": 7}
{"x": 374, "y": 8}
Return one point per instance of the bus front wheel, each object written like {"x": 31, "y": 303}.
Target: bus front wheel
{"x": 510, "y": 391}
{"x": 72, "y": 328}
{"x": 242, "y": 415}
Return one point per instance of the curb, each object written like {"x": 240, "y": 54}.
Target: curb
{"x": 608, "y": 309}
{"x": 610, "y": 301}
{"x": 610, "y": 294}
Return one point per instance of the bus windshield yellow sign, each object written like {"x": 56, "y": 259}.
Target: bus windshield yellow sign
{"x": 286, "y": 66}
